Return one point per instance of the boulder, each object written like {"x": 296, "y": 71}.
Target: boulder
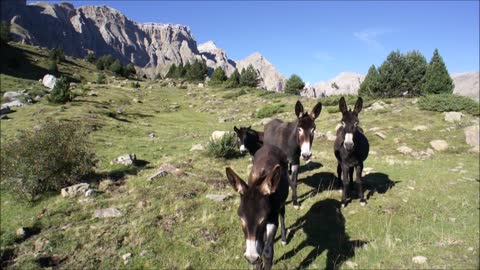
{"x": 127, "y": 159}
{"x": 218, "y": 135}
{"x": 419, "y": 259}
{"x": 201, "y": 85}
{"x": 75, "y": 190}
{"x": 420, "y": 128}
{"x": 197, "y": 147}
{"x": 13, "y": 103}
{"x": 439, "y": 145}
{"x": 382, "y": 135}
{"x": 378, "y": 105}
{"x": 49, "y": 81}
{"x": 472, "y": 135}
{"x": 219, "y": 197}
{"x": 404, "y": 150}
{"x": 107, "y": 213}
{"x": 452, "y": 117}
{"x": 12, "y": 94}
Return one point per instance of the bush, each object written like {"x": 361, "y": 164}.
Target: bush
{"x": 269, "y": 111}
{"x": 104, "y": 62}
{"x": 448, "y": 103}
{"x": 234, "y": 80}
{"x": 129, "y": 70}
{"x": 135, "y": 85}
{"x": 101, "y": 78}
{"x": 52, "y": 66}
{"x": 116, "y": 67}
{"x": 61, "y": 91}
{"x": 57, "y": 55}
{"x": 53, "y": 157}
{"x": 226, "y": 147}
{"x": 235, "y": 94}
{"x": 4, "y": 32}
{"x": 91, "y": 57}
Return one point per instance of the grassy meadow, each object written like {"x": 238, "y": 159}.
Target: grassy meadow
{"x": 417, "y": 205}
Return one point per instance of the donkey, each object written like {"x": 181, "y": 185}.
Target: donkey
{"x": 351, "y": 148}
{"x": 295, "y": 139}
{"x": 262, "y": 201}
{"x": 248, "y": 139}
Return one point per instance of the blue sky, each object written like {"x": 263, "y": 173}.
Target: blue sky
{"x": 319, "y": 39}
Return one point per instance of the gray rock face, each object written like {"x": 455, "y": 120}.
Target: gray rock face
{"x": 466, "y": 84}
{"x": 346, "y": 83}
{"x": 216, "y": 57}
{"x": 270, "y": 78}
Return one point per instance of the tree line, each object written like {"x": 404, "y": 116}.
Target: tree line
{"x": 407, "y": 75}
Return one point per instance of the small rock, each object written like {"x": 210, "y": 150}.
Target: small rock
{"x": 107, "y": 213}
{"x": 404, "y": 150}
{"x": 40, "y": 244}
{"x": 49, "y": 81}
{"x": 144, "y": 252}
{"x": 420, "y": 128}
{"x": 142, "y": 204}
{"x": 125, "y": 257}
{"x": 382, "y": 135}
{"x": 419, "y": 259}
{"x": 151, "y": 135}
{"x": 157, "y": 175}
{"x": 226, "y": 119}
{"x": 127, "y": 159}
{"x": 439, "y": 145}
{"x": 331, "y": 136}
{"x": 88, "y": 193}
{"x": 74, "y": 190}
{"x": 21, "y": 232}
{"x": 351, "y": 264}
{"x": 262, "y": 122}
{"x": 197, "y": 147}
{"x": 171, "y": 169}
{"x": 379, "y": 105}
{"x": 218, "y": 197}
{"x": 452, "y": 117}
{"x": 373, "y": 129}
{"x": 472, "y": 136}
{"x": 13, "y": 103}
{"x": 201, "y": 85}
{"x": 93, "y": 94}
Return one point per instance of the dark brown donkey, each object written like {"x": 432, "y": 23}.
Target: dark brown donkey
{"x": 262, "y": 201}
{"x": 351, "y": 149}
{"x": 248, "y": 139}
{"x": 294, "y": 138}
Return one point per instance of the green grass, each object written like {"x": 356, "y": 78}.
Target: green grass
{"x": 449, "y": 102}
{"x": 269, "y": 111}
{"x": 430, "y": 211}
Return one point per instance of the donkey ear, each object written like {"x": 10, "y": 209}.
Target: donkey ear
{"x": 237, "y": 183}
{"x": 270, "y": 184}
{"x": 236, "y": 129}
{"x": 343, "y": 105}
{"x": 358, "y": 105}
{"x": 299, "y": 109}
{"x": 316, "y": 110}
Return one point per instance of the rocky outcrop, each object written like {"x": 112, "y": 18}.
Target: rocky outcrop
{"x": 346, "y": 83}
{"x": 152, "y": 47}
{"x": 466, "y": 84}
{"x": 216, "y": 57}
{"x": 270, "y": 78}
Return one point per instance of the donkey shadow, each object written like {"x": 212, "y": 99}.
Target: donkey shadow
{"x": 324, "y": 226}
{"x": 378, "y": 183}
{"x": 318, "y": 182}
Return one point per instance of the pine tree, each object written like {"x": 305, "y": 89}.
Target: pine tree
{"x": 437, "y": 79}
{"x": 370, "y": 85}
{"x": 129, "y": 70}
{"x": 180, "y": 72}
{"x": 294, "y": 85}
{"x": 171, "y": 72}
{"x": 4, "y": 32}
{"x": 249, "y": 77}
{"x": 218, "y": 76}
{"x": 104, "y": 62}
{"x": 392, "y": 79}
{"x": 116, "y": 67}
{"x": 234, "y": 80}
{"x": 416, "y": 66}
{"x": 61, "y": 91}
{"x": 197, "y": 71}
{"x": 91, "y": 57}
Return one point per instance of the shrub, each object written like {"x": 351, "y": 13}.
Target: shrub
{"x": 52, "y": 66}
{"x": 234, "y": 80}
{"x": 61, "y": 91}
{"x": 135, "y": 85}
{"x": 116, "y": 67}
{"x": 269, "y": 111}
{"x": 4, "y": 32}
{"x": 235, "y": 94}
{"x": 104, "y": 62}
{"x": 448, "y": 103}
{"x": 226, "y": 147}
{"x": 56, "y": 55}
{"x": 129, "y": 70}
{"x": 52, "y": 157}
{"x": 172, "y": 71}
{"x": 101, "y": 78}
{"x": 91, "y": 57}
{"x": 197, "y": 71}
{"x": 218, "y": 76}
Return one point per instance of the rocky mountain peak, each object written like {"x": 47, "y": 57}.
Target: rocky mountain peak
{"x": 207, "y": 46}
{"x": 271, "y": 79}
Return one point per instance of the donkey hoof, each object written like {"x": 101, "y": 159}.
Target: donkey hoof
{"x": 284, "y": 243}
{"x": 363, "y": 203}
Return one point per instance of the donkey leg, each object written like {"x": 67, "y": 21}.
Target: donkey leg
{"x": 359, "y": 169}
{"x": 294, "y": 186}
{"x": 339, "y": 173}
{"x": 345, "y": 170}
{"x": 283, "y": 230}
{"x": 268, "y": 249}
